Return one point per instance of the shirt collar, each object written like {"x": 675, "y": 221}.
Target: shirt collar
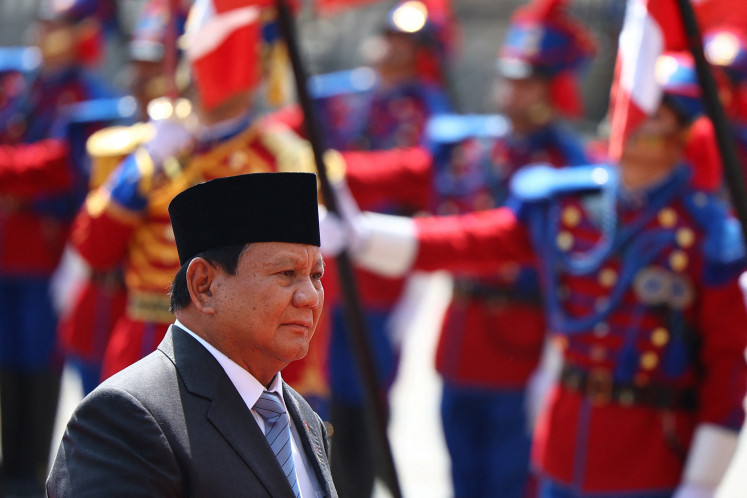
{"x": 249, "y": 388}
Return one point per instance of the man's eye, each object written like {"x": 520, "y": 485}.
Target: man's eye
{"x": 317, "y": 275}
{"x": 288, "y": 273}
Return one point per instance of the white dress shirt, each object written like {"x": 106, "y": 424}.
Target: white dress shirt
{"x": 250, "y": 390}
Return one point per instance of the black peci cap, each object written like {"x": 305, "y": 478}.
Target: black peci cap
{"x": 257, "y": 207}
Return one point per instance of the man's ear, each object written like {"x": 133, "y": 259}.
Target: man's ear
{"x": 200, "y": 275}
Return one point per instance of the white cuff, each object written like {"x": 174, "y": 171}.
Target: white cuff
{"x": 710, "y": 454}
{"x": 389, "y": 246}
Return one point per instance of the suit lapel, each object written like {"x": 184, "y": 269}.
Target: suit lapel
{"x": 234, "y": 421}
{"x": 203, "y": 376}
{"x": 311, "y": 440}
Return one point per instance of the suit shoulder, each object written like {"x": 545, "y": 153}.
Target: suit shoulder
{"x": 144, "y": 379}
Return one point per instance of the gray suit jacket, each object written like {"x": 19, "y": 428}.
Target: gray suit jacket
{"x": 173, "y": 424}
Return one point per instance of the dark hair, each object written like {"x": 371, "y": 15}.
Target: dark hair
{"x": 225, "y": 258}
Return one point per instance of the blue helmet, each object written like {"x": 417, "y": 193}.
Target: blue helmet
{"x": 70, "y": 11}
{"x": 543, "y": 40}
{"x": 149, "y": 35}
{"x": 429, "y": 23}
{"x": 676, "y": 76}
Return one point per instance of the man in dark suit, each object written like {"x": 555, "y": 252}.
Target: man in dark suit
{"x": 190, "y": 419}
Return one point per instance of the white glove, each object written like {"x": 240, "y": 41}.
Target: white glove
{"x": 68, "y": 281}
{"x": 689, "y": 490}
{"x": 333, "y": 233}
{"x": 709, "y": 457}
{"x": 346, "y": 230}
{"x": 542, "y": 380}
{"x": 172, "y": 137}
{"x": 381, "y": 243}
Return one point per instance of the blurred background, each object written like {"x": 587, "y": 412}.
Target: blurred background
{"x": 338, "y": 40}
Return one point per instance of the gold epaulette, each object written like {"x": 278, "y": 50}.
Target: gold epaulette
{"x": 294, "y": 154}
{"x": 108, "y": 147}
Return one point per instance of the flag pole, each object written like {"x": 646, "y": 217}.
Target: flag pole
{"x": 357, "y": 329}
{"x": 732, "y": 168}
{"x": 170, "y": 51}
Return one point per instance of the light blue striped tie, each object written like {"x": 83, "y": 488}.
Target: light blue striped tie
{"x": 278, "y": 434}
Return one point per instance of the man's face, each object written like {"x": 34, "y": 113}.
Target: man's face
{"x": 522, "y": 99}
{"x": 397, "y": 56}
{"x": 57, "y": 42}
{"x": 266, "y": 314}
{"x": 658, "y": 140}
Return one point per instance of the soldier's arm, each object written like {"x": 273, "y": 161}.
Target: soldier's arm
{"x": 394, "y": 245}
{"x": 42, "y": 167}
{"x": 401, "y": 176}
{"x": 102, "y": 228}
{"x": 721, "y": 320}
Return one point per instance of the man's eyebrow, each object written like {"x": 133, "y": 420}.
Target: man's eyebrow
{"x": 282, "y": 261}
{"x": 291, "y": 260}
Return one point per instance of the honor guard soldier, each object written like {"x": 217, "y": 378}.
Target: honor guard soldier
{"x": 125, "y": 222}
{"x": 125, "y": 219}
{"x": 380, "y": 107}
{"x": 465, "y": 166}
{"x": 50, "y": 102}
{"x": 100, "y": 300}
{"x": 638, "y": 272}
{"x": 485, "y": 364}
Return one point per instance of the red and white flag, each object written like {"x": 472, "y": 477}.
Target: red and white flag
{"x": 222, "y": 39}
{"x": 650, "y": 27}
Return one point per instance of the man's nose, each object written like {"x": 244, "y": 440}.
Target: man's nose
{"x": 306, "y": 295}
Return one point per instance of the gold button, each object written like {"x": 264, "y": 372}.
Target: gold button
{"x": 608, "y": 277}
{"x": 649, "y": 360}
{"x": 685, "y": 237}
{"x": 238, "y": 160}
{"x": 678, "y": 261}
{"x": 571, "y": 216}
{"x": 659, "y": 337}
{"x": 564, "y": 241}
{"x": 598, "y": 353}
{"x": 667, "y": 217}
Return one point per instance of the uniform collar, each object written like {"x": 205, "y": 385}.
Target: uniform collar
{"x": 211, "y": 136}
{"x": 629, "y": 199}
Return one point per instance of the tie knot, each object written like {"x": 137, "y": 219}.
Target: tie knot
{"x": 269, "y": 406}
